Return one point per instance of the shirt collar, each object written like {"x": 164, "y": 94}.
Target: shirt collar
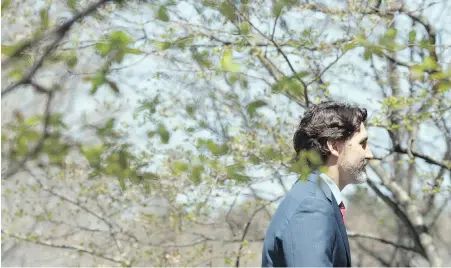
{"x": 333, "y": 187}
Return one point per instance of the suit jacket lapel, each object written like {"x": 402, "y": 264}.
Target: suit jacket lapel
{"x": 315, "y": 178}
{"x": 342, "y": 228}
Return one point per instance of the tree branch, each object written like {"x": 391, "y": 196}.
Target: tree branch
{"x": 60, "y": 31}
{"x": 246, "y": 229}
{"x": 265, "y": 61}
{"x": 411, "y": 217}
{"x": 71, "y": 247}
{"x": 382, "y": 240}
{"x": 426, "y": 158}
{"x": 13, "y": 170}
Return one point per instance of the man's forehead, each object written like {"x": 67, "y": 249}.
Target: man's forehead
{"x": 362, "y": 131}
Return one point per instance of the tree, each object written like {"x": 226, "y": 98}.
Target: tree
{"x": 217, "y": 86}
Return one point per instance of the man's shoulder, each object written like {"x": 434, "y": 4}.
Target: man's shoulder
{"x": 301, "y": 191}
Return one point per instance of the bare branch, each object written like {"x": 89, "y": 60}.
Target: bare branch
{"x": 71, "y": 247}
{"x": 398, "y": 211}
{"x": 372, "y": 254}
{"x": 426, "y": 158}
{"x": 246, "y": 229}
{"x": 411, "y": 216}
{"x": 382, "y": 240}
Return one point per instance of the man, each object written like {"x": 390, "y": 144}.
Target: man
{"x": 308, "y": 227}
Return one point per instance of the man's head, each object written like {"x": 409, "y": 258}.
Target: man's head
{"x": 336, "y": 131}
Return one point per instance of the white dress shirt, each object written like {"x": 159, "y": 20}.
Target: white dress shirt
{"x": 333, "y": 187}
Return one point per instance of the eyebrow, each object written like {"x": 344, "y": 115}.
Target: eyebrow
{"x": 364, "y": 139}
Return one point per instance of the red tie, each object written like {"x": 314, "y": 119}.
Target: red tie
{"x": 342, "y": 210}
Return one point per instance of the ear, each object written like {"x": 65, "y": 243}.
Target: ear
{"x": 334, "y": 147}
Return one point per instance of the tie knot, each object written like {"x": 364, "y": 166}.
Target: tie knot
{"x": 342, "y": 205}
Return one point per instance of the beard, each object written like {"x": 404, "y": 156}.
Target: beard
{"x": 357, "y": 173}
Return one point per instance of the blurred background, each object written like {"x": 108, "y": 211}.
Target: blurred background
{"x": 159, "y": 133}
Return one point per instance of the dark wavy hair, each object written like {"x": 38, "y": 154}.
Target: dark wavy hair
{"x": 328, "y": 120}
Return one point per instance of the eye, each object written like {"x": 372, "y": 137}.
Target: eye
{"x": 363, "y": 143}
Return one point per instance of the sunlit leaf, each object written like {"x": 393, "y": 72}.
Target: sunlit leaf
{"x": 162, "y": 14}
{"x": 103, "y": 48}
{"x": 72, "y": 4}
{"x": 196, "y": 174}
{"x": 253, "y": 106}
{"x": 6, "y": 4}
{"x": 226, "y": 61}
{"x": 164, "y": 133}
{"x": 113, "y": 86}
{"x": 44, "y": 18}
{"x": 133, "y": 51}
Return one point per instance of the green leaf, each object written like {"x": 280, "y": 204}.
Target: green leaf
{"x": 180, "y": 166}
{"x": 429, "y": 63}
{"x": 133, "y": 51}
{"x": 190, "y": 109}
{"x": 216, "y": 149}
{"x": 93, "y": 154}
{"x": 280, "y": 4}
{"x": 234, "y": 172}
{"x": 417, "y": 72}
{"x": 252, "y": 107}
{"x": 226, "y": 61}
{"x": 97, "y": 81}
{"x": 270, "y": 153}
{"x": 228, "y": 11}
{"x": 443, "y": 87}
{"x": 122, "y": 182}
{"x": 20, "y": 213}
{"x": 164, "y": 133}
{"x": 44, "y": 18}
{"x": 120, "y": 39}
{"x": 210, "y": 3}
{"x": 103, "y": 48}
{"x": 349, "y": 46}
{"x": 163, "y": 45}
{"x": 277, "y": 8}
{"x": 391, "y": 33}
{"x": 6, "y": 4}
{"x": 228, "y": 260}
{"x": 113, "y": 86}
{"x": 196, "y": 174}
{"x": 72, "y": 4}
{"x": 16, "y": 73}
{"x": 302, "y": 74}
{"x": 245, "y": 28}
{"x": 289, "y": 84}
{"x": 163, "y": 14}
{"x": 9, "y": 50}
{"x": 72, "y": 60}
{"x": 412, "y": 36}
{"x": 367, "y": 54}
{"x": 202, "y": 59}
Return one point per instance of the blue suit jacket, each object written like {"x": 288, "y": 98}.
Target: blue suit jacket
{"x": 307, "y": 229}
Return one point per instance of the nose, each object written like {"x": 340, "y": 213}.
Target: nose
{"x": 369, "y": 154}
